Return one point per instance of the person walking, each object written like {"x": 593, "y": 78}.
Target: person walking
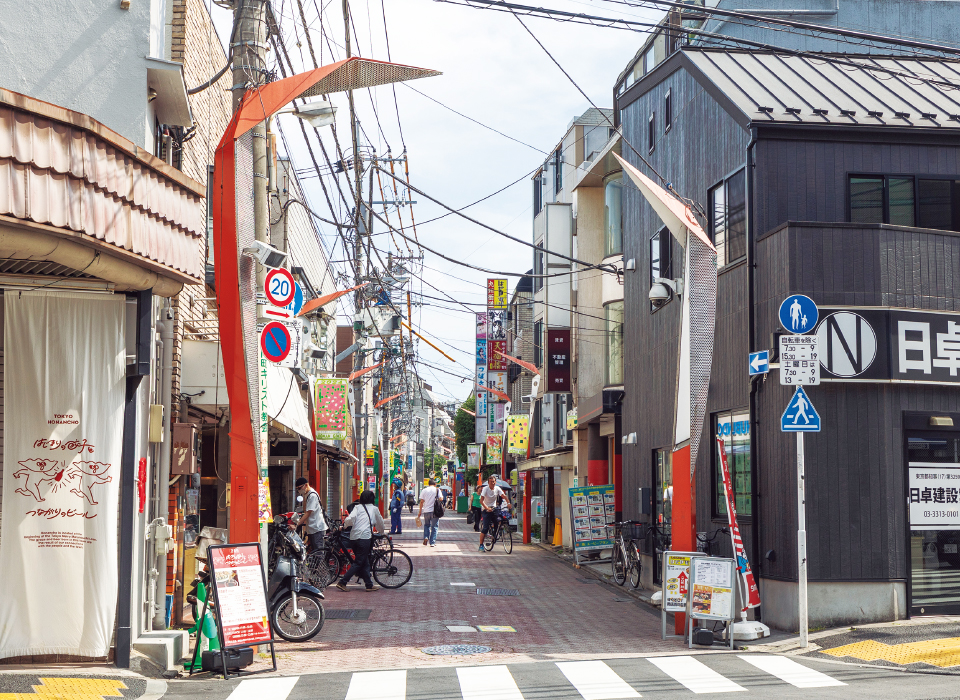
{"x": 490, "y": 499}
{"x": 396, "y": 508}
{"x": 362, "y": 521}
{"x": 411, "y": 501}
{"x": 428, "y": 499}
{"x": 312, "y": 517}
{"x": 475, "y": 509}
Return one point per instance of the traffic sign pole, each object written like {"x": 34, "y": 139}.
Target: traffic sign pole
{"x": 801, "y": 544}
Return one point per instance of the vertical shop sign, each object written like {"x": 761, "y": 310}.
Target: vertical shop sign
{"x": 495, "y": 351}
{"x": 517, "y": 430}
{"x": 264, "y": 418}
{"x": 558, "y": 360}
{"x": 330, "y": 409}
{"x": 496, "y": 293}
{"x": 494, "y": 448}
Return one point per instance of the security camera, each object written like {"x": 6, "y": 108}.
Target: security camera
{"x": 266, "y": 255}
{"x": 659, "y": 293}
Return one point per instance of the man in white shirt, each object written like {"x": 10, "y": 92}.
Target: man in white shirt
{"x": 488, "y": 505}
{"x": 428, "y": 497}
{"x": 312, "y": 516}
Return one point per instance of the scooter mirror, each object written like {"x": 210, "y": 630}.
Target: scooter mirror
{"x": 299, "y": 499}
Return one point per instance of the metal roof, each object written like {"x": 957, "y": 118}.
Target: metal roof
{"x": 830, "y": 89}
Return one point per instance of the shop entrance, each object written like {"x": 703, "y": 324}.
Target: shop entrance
{"x": 933, "y": 516}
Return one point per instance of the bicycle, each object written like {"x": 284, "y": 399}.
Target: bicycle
{"x": 705, "y": 542}
{"x": 390, "y": 567}
{"x": 499, "y": 531}
{"x": 626, "y": 556}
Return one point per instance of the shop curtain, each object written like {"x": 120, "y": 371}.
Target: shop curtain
{"x": 63, "y": 411}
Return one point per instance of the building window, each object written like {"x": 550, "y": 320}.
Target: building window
{"x": 649, "y": 60}
{"x": 538, "y": 194}
{"x": 667, "y": 111}
{"x": 663, "y": 489}
{"x": 651, "y": 131}
{"x": 539, "y": 265}
{"x": 557, "y": 172}
{"x": 728, "y": 218}
{"x": 613, "y": 365}
{"x": 881, "y": 199}
{"x": 734, "y": 428}
{"x": 613, "y": 214}
{"x": 538, "y": 343}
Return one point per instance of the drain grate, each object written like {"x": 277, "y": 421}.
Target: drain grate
{"x": 455, "y": 650}
{"x": 344, "y": 614}
{"x": 497, "y": 591}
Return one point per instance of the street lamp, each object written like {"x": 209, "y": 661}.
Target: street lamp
{"x": 317, "y": 113}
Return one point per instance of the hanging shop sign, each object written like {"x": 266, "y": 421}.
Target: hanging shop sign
{"x": 480, "y": 425}
{"x": 482, "y": 396}
{"x": 265, "y": 508}
{"x": 481, "y": 351}
{"x": 240, "y": 593}
{"x": 495, "y": 414}
{"x": 496, "y": 293}
{"x": 330, "y": 408}
{"x": 263, "y": 416}
{"x": 572, "y": 419}
{"x": 495, "y": 359}
{"x": 592, "y": 513}
{"x": 558, "y": 360}
{"x": 934, "y": 494}
{"x": 496, "y": 380}
{"x": 496, "y": 325}
{"x": 482, "y": 326}
{"x": 889, "y": 345}
{"x": 752, "y": 597}
{"x": 494, "y": 448}
{"x": 517, "y": 432}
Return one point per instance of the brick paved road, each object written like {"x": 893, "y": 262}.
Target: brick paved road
{"x": 556, "y": 617}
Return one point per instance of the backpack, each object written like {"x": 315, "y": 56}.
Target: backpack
{"x": 438, "y": 505}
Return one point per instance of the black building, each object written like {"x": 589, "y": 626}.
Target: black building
{"x": 837, "y": 177}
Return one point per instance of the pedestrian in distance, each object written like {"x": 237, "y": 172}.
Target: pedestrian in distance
{"x": 475, "y": 509}
{"x": 490, "y": 499}
{"x": 312, "y": 517}
{"x": 396, "y": 508}
{"x": 362, "y": 520}
{"x": 428, "y": 500}
{"x": 411, "y": 501}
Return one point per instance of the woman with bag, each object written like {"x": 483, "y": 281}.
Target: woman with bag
{"x": 475, "y": 510}
{"x": 362, "y": 520}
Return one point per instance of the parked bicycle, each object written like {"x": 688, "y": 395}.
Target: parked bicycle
{"x": 391, "y": 568}
{"x": 500, "y": 531}
{"x": 705, "y": 541}
{"x": 625, "y": 561}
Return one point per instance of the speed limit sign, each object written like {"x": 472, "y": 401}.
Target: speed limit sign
{"x": 279, "y": 287}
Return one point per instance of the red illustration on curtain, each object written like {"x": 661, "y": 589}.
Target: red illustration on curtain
{"x": 54, "y": 474}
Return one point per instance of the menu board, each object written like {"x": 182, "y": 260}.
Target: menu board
{"x": 593, "y": 515}
{"x": 712, "y": 581}
{"x": 241, "y": 599}
{"x": 676, "y": 580}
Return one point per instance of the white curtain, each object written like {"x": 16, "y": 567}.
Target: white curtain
{"x": 63, "y": 409}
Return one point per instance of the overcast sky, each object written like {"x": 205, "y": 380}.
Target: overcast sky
{"x": 493, "y": 72}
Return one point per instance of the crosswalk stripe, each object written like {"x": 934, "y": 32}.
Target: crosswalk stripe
{"x": 698, "y": 678}
{"x": 378, "y": 685}
{"x": 791, "y": 672}
{"x": 594, "y": 680}
{"x": 487, "y": 683}
{"x": 264, "y": 688}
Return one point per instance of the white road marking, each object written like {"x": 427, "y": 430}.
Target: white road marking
{"x": 461, "y": 628}
{"x": 462, "y": 584}
{"x": 692, "y": 674}
{"x": 594, "y": 680}
{"x": 261, "y": 688}
{"x": 487, "y": 683}
{"x": 791, "y": 672}
{"x": 377, "y": 685}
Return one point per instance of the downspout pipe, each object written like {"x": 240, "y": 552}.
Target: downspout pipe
{"x": 752, "y": 340}
{"x": 165, "y": 329}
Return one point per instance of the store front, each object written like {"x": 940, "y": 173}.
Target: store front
{"x": 933, "y": 484}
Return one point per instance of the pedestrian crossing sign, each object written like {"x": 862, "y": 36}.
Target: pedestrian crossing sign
{"x": 800, "y": 416}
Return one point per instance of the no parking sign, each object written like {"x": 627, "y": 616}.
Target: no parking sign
{"x": 275, "y": 341}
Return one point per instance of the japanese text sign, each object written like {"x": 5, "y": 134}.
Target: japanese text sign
{"x": 594, "y": 513}
{"x": 330, "y": 409}
{"x": 934, "y": 495}
{"x": 241, "y": 597}
{"x": 496, "y": 294}
{"x": 558, "y": 360}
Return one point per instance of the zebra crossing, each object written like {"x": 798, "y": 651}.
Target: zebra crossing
{"x": 577, "y": 680}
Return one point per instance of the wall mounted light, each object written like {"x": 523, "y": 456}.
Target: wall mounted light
{"x": 629, "y": 439}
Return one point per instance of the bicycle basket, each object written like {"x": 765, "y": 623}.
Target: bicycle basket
{"x": 635, "y": 531}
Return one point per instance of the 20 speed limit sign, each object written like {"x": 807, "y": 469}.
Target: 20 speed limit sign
{"x": 279, "y": 287}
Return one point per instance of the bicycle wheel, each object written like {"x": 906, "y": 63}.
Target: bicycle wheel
{"x": 302, "y": 625}
{"x": 317, "y": 572}
{"x": 636, "y": 566}
{"x": 506, "y": 539}
{"x": 392, "y": 569}
{"x": 619, "y": 565}
{"x": 491, "y": 539}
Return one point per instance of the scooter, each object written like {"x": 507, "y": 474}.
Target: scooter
{"x": 296, "y": 612}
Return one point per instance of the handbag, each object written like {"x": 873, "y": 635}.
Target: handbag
{"x": 470, "y": 517}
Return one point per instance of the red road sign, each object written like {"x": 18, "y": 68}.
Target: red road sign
{"x": 279, "y": 287}
{"x": 275, "y": 341}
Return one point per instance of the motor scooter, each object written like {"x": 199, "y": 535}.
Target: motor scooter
{"x": 296, "y": 612}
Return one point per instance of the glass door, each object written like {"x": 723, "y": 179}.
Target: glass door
{"x": 933, "y": 502}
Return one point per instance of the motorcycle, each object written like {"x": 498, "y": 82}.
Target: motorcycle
{"x": 296, "y": 612}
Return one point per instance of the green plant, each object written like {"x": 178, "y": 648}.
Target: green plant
{"x": 465, "y": 427}
{"x": 535, "y": 530}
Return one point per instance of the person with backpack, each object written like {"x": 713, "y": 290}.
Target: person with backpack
{"x": 361, "y": 521}
{"x": 411, "y": 501}
{"x": 431, "y": 510}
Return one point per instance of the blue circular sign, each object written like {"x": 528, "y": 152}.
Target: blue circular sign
{"x": 294, "y": 306}
{"x": 275, "y": 341}
{"x": 798, "y": 314}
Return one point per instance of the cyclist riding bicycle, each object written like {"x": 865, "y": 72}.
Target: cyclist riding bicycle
{"x": 491, "y": 498}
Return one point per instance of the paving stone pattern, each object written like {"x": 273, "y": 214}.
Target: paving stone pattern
{"x": 555, "y": 617}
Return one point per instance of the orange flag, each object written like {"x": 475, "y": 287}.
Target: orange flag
{"x": 522, "y": 363}
{"x": 387, "y": 400}
{"x": 326, "y": 299}
{"x": 361, "y": 372}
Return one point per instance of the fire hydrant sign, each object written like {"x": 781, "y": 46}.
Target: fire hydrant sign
{"x": 241, "y": 594}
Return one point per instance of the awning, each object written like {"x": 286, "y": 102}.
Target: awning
{"x": 172, "y": 106}
{"x": 559, "y": 458}
{"x": 285, "y": 404}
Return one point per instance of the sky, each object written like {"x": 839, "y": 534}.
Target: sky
{"x": 493, "y": 72}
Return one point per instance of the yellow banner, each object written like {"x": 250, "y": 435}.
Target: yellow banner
{"x": 517, "y": 434}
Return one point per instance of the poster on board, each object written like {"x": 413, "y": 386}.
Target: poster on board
{"x": 711, "y": 588}
{"x": 240, "y": 593}
{"x": 330, "y": 408}
{"x": 494, "y": 449}
{"x": 474, "y": 453}
{"x": 592, "y": 514}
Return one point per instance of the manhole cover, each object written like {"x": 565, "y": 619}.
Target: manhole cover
{"x": 455, "y": 650}
{"x": 497, "y": 591}
{"x": 348, "y": 614}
